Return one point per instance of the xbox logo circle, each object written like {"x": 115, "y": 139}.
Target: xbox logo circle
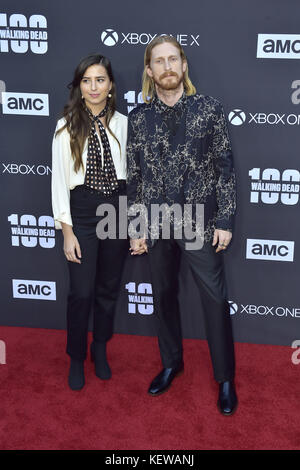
{"x": 109, "y": 37}
{"x": 237, "y": 117}
{"x": 233, "y": 307}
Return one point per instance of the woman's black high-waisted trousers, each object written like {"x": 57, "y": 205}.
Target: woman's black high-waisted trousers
{"x": 95, "y": 283}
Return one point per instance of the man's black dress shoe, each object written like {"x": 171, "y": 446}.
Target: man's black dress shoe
{"x": 163, "y": 380}
{"x": 228, "y": 401}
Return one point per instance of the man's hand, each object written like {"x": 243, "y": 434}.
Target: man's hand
{"x": 138, "y": 247}
{"x": 222, "y": 237}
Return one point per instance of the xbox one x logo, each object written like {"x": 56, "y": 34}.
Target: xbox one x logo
{"x": 233, "y": 307}
{"x": 237, "y": 117}
{"x": 109, "y": 37}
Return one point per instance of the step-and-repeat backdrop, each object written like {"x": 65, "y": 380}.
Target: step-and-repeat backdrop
{"x": 245, "y": 54}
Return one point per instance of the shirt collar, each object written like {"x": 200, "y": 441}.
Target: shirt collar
{"x": 161, "y": 107}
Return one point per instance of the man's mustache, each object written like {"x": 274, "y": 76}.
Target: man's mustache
{"x": 168, "y": 74}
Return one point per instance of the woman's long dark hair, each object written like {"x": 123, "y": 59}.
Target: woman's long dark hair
{"x": 78, "y": 122}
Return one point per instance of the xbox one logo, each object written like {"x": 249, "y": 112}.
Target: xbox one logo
{"x": 237, "y": 117}
{"x": 109, "y": 37}
{"x": 233, "y": 307}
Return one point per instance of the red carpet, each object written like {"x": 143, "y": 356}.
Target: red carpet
{"x": 38, "y": 411}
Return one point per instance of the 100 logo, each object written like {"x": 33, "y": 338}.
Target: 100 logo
{"x": 29, "y": 231}
{"x": 270, "y": 186}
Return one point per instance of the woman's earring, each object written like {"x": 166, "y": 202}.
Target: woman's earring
{"x": 109, "y": 95}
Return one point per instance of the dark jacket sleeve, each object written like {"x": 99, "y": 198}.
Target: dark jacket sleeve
{"x": 223, "y": 163}
{"x": 134, "y": 177}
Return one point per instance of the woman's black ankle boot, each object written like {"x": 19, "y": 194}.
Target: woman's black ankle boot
{"x": 98, "y": 355}
{"x": 76, "y": 374}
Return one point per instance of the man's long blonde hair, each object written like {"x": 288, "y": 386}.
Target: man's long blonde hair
{"x": 148, "y": 86}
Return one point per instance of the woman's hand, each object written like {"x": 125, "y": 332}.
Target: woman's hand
{"x": 71, "y": 245}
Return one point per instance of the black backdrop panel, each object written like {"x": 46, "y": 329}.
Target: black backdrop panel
{"x": 257, "y": 79}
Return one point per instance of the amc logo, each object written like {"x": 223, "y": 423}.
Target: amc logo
{"x": 25, "y": 103}
{"x": 272, "y": 250}
{"x": 41, "y": 290}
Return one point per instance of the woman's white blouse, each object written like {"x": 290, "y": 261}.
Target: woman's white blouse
{"x": 64, "y": 178}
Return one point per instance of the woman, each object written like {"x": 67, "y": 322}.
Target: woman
{"x": 89, "y": 169}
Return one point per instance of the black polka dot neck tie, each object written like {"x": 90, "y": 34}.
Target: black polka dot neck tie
{"x": 102, "y": 178}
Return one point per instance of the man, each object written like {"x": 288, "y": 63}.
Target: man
{"x": 179, "y": 153}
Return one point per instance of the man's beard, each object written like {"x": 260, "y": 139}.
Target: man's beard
{"x": 169, "y": 81}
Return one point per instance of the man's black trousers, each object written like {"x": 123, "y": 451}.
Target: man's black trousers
{"x": 207, "y": 269}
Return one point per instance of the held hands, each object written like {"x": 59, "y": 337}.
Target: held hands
{"x": 138, "y": 247}
{"x": 71, "y": 245}
{"x": 222, "y": 237}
